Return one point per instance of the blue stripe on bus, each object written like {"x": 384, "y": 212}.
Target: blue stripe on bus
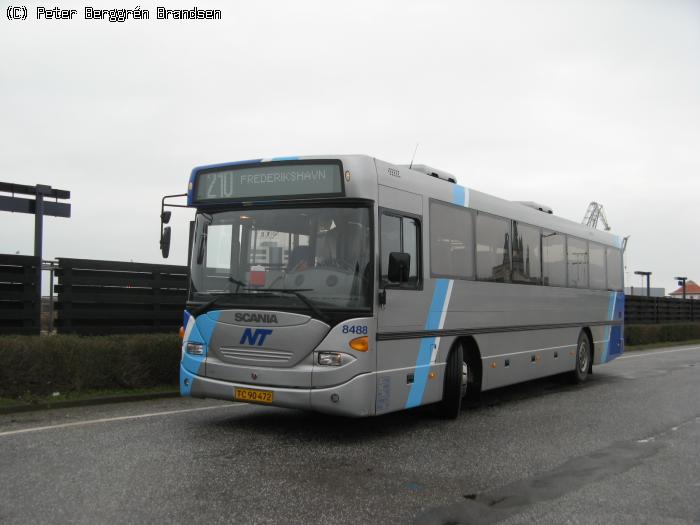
{"x": 192, "y": 364}
{"x": 224, "y": 164}
{"x": 188, "y": 377}
{"x": 283, "y": 158}
{"x": 611, "y": 312}
{"x": 460, "y": 196}
{"x": 613, "y": 334}
{"x": 615, "y": 341}
{"x": 195, "y": 171}
{"x": 420, "y": 378}
{"x": 190, "y": 187}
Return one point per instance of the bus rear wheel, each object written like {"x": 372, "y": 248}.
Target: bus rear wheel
{"x": 455, "y": 384}
{"x": 583, "y": 359}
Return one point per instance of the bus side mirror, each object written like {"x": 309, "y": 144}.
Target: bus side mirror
{"x": 165, "y": 217}
{"x": 399, "y": 265}
{"x": 165, "y": 242}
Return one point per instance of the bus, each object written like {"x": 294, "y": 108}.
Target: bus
{"x": 348, "y": 285}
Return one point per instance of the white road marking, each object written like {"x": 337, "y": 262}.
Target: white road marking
{"x": 119, "y": 418}
{"x": 645, "y": 353}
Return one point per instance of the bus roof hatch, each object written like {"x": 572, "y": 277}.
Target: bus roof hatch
{"x": 433, "y": 172}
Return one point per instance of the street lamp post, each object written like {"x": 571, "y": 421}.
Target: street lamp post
{"x": 681, "y": 282}
{"x": 647, "y": 274}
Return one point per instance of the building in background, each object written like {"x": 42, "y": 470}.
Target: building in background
{"x": 642, "y": 290}
{"x": 692, "y": 291}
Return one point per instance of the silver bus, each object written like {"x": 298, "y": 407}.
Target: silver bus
{"x": 348, "y": 285}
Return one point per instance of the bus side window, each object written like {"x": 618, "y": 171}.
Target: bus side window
{"x": 451, "y": 241}
{"x": 553, "y": 258}
{"x": 596, "y": 266}
{"x": 527, "y": 262}
{"x": 400, "y": 234}
{"x": 410, "y": 245}
{"x": 577, "y": 256}
{"x": 492, "y": 248}
{"x": 614, "y": 265}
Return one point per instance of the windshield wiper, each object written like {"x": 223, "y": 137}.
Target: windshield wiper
{"x": 203, "y": 308}
{"x": 252, "y": 291}
{"x": 297, "y": 292}
{"x": 238, "y": 283}
{"x": 200, "y": 310}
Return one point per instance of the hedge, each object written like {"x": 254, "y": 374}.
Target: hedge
{"x": 660, "y": 333}
{"x": 39, "y": 366}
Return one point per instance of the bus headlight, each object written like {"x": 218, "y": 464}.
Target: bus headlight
{"x": 330, "y": 358}
{"x": 195, "y": 348}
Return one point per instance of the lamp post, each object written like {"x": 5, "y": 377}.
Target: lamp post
{"x": 681, "y": 282}
{"x": 647, "y": 274}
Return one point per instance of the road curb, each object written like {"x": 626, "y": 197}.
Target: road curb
{"x": 13, "y": 409}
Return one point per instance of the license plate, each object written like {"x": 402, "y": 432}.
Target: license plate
{"x": 252, "y": 396}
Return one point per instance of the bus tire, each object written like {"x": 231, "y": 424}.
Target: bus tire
{"x": 583, "y": 359}
{"x": 472, "y": 371}
{"x": 454, "y": 384}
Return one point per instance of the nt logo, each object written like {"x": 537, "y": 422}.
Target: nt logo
{"x": 255, "y": 337}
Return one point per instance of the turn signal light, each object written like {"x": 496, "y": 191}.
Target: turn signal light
{"x": 361, "y": 344}
{"x": 182, "y": 332}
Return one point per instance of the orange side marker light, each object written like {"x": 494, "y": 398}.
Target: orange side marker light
{"x": 361, "y": 344}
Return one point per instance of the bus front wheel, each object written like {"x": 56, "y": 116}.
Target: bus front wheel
{"x": 583, "y": 359}
{"x": 455, "y": 384}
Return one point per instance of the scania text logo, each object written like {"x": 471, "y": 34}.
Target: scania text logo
{"x": 250, "y": 317}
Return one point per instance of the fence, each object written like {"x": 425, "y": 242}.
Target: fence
{"x": 109, "y": 297}
{"x": 654, "y": 310}
{"x": 19, "y": 311}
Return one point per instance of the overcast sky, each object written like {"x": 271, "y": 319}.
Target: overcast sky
{"x": 557, "y": 102}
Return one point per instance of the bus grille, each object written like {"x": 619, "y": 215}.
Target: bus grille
{"x": 248, "y": 354}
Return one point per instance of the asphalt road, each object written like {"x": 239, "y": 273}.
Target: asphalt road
{"x": 622, "y": 448}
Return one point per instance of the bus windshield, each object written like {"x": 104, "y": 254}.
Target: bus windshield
{"x": 252, "y": 257}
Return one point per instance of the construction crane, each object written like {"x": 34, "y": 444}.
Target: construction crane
{"x": 594, "y": 213}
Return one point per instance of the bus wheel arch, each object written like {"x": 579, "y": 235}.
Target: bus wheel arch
{"x": 588, "y": 332}
{"x": 472, "y": 358}
{"x": 451, "y": 403}
{"x": 584, "y": 357}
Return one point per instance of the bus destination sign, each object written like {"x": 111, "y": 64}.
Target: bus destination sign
{"x": 269, "y": 180}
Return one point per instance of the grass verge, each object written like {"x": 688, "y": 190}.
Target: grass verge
{"x": 85, "y": 397}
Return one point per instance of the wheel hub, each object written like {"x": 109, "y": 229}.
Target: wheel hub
{"x": 583, "y": 357}
{"x": 465, "y": 378}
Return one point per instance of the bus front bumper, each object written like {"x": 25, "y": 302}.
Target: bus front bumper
{"x": 355, "y": 398}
